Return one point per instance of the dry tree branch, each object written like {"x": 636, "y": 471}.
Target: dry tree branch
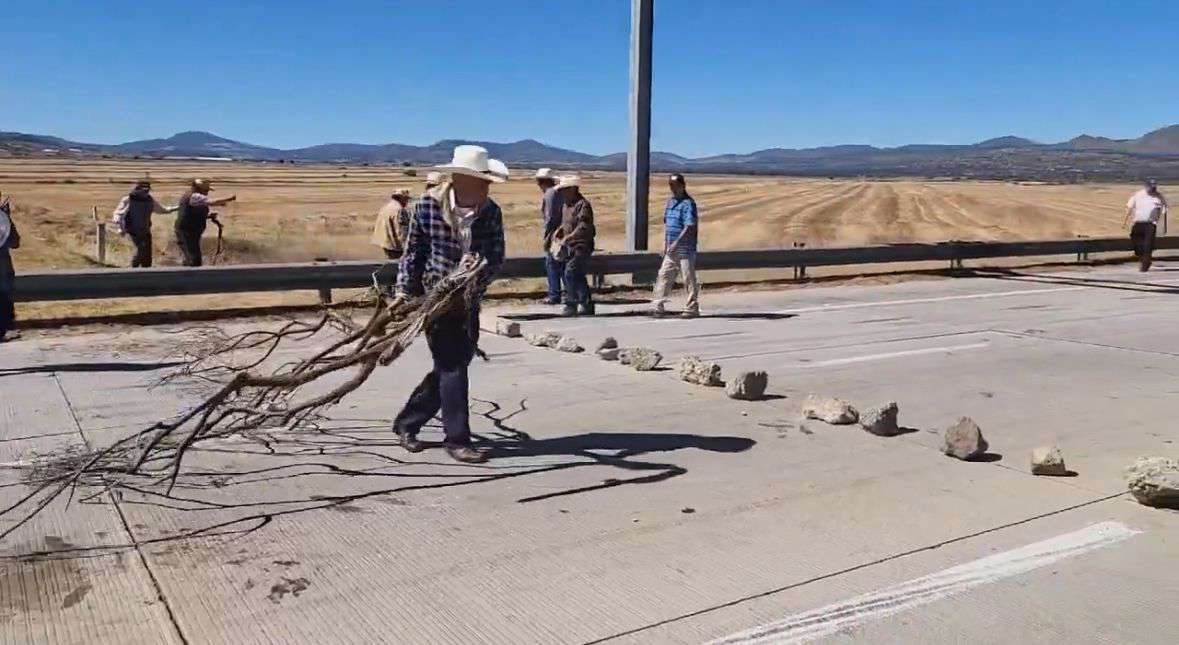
{"x": 248, "y": 400}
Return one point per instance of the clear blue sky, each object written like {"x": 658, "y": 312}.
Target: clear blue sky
{"x": 730, "y": 76}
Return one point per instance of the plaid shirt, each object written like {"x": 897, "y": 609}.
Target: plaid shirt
{"x": 433, "y": 249}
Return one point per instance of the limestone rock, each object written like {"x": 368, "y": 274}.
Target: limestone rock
{"x": 1047, "y": 460}
{"x": 544, "y": 339}
{"x": 1154, "y": 481}
{"x": 624, "y": 356}
{"x": 568, "y": 344}
{"x": 748, "y": 386}
{"x": 964, "y": 440}
{"x": 881, "y": 420}
{"x": 694, "y": 370}
{"x": 833, "y": 411}
{"x": 607, "y": 343}
{"x": 644, "y": 360}
{"x": 509, "y": 328}
{"x": 609, "y": 354}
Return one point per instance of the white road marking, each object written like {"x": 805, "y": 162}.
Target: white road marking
{"x": 877, "y": 357}
{"x": 915, "y": 301}
{"x": 828, "y": 620}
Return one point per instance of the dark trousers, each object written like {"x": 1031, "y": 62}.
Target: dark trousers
{"x": 1142, "y": 234}
{"x": 189, "y": 241}
{"x": 446, "y": 387}
{"x": 391, "y": 254}
{"x": 143, "y": 251}
{"x": 7, "y": 312}
{"x": 577, "y": 290}
{"x": 556, "y": 272}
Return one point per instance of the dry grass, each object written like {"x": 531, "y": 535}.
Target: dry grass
{"x": 299, "y": 213}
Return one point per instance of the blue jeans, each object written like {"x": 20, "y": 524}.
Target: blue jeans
{"x": 555, "y": 271}
{"x": 577, "y": 290}
{"x": 444, "y": 388}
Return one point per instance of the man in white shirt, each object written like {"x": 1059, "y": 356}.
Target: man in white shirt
{"x": 1146, "y": 207}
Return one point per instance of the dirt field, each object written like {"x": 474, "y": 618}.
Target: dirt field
{"x": 289, "y": 213}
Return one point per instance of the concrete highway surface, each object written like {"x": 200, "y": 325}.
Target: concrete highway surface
{"x": 628, "y": 507}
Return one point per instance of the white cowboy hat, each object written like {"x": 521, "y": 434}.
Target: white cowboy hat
{"x": 434, "y": 178}
{"x": 568, "y": 181}
{"x": 473, "y": 162}
{"x": 498, "y": 168}
{"x": 544, "y": 173}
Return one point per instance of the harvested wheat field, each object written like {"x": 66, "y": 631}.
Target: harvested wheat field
{"x": 299, "y": 213}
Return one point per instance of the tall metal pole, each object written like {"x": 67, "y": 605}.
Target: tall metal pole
{"x": 638, "y": 158}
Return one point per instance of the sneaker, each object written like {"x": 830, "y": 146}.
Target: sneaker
{"x": 690, "y": 313}
{"x": 552, "y": 301}
{"x": 408, "y": 441}
{"x": 9, "y": 336}
{"x": 569, "y": 311}
{"x": 465, "y": 454}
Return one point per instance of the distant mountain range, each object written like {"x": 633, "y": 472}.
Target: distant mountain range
{"x": 1005, "y": 157}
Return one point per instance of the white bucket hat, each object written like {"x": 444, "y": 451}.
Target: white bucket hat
{"x": 544, "y": 173}
{"x": 568, "y": 181}
{"x": 473, "y": 162}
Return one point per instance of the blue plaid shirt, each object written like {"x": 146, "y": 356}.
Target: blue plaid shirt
{"x": 433, "y": 249}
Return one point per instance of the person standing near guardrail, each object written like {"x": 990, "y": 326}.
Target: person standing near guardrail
{"x": 551, "y": 213}
{"x": 133, "y": 219}
{"x": 453, "y": 220}
{"x": 392, "y": 225}
{"x": 9, "y": 239}
{"x": 193, "y": 218}
{"x": 681, "y": 223}
{"x": 576, "y": 237}
{"x": 1146, "y": 207}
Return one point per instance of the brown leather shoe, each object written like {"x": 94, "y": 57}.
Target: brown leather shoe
{"x": 465, "y": 454}
{"x": 409, "y": 442}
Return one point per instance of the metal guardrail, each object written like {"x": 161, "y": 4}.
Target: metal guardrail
{"x": 323, "y": 277}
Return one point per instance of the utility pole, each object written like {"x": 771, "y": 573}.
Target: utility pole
{"x": 638, "y": 158}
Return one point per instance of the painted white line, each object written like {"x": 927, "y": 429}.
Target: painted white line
{"x": 917, "y": 301}
{"x": 886, "y": 355}
{"x": 828, "y": 620}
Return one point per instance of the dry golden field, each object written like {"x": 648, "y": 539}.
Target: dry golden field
{"x": 300, "y": 213}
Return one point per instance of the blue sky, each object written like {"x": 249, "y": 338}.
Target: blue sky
{"x": 731, "y": 76}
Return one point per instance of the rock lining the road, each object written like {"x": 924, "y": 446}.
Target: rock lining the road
{"x": 694, "y": 370}
{"x": 508, "y": 328}
{"x": 568, "y": 344}
{"x": 643, "y": 359}
{"x": 964, "y": 440}
{"x": 1048, "y": 460}
{"x": 543, "y": 339}
{"x": 830, "y": 410}
{"x": 607, "y": 343}
{"x": 609, "y": 354}
{"x": 748, "y": 386}
{"x": 881, "y": 420}
{"x": 1154, "y": 481}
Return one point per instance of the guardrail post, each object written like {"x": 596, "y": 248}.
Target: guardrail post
{"x": 325, "y": 295}
{"x": 800, "y": 270}
{"x": 99, "y": 237}
{"x": 1083, "y": 251}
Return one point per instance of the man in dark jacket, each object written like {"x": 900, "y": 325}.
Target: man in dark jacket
{"x": 9, "y": 239}
{"x": 193, "y": 217}
{"x": 550, "y": 220}
{"x": 135, "y": 211}
{"x": 578, "y": 232}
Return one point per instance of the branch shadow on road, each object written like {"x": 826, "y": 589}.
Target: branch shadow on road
{"x": 644, "y": 313}
{"x": 87, "y": 367}
{"x": 1097, "y": 283}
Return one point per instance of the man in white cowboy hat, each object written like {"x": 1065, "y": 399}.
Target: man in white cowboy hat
{"x": 433, "y": 178}
{"x": 1146, "y": 207}
{"x": 193, "y": 217}
{"x": 9, "y": 239}
{"x": 392, "y": 225}
{"x": 577, "y": 234}
{"x": 550, "y": 216}
{"x": 452, "y": 220}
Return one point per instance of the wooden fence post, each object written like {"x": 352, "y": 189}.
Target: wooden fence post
{"x": 99, "y": 237}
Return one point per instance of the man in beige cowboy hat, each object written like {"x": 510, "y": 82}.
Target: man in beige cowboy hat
{"x": 433, "y": 178}
{"x": 392, "y": 225}
{"x": 193, "y": 217}
{"x": 577, "y": 234}
{"x": 550, "y": 217}
{"x": 454, "y": 219}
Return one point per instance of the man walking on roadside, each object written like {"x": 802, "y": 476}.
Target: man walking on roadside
{"x": 453, "y": 220}
{"x": 1146, "y": 207}
{"x": 9, "y": 239}
{"x": 193, "y": 217}
{"x": 134, "y": 215}
{"x": 392, "y": 225}
{"x": 681, "y": 223}
{"x": 576, "y": 234}
{"x": 551, "y": 213}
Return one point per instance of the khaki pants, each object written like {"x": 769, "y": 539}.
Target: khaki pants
{"x": 683, "y": 264}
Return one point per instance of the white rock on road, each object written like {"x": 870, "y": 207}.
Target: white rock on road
{"x": 607, "y": 343}
{"x": 748, "y": 386}
{"x": 694, "y": 370}
{"x": 1048, "y": 460}
{"x": 644, "y": 359}
{"x": 1154, "y": 481}
{"x": 964, "y": 440}
{"x": 834, "y": 411}
{"x": 543, "y": 339}
{"x": 609, "y": 354}
{"x": 568, "y": 344}
{"x": 509, "y": 328}
{"x": 881, "y": 420}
